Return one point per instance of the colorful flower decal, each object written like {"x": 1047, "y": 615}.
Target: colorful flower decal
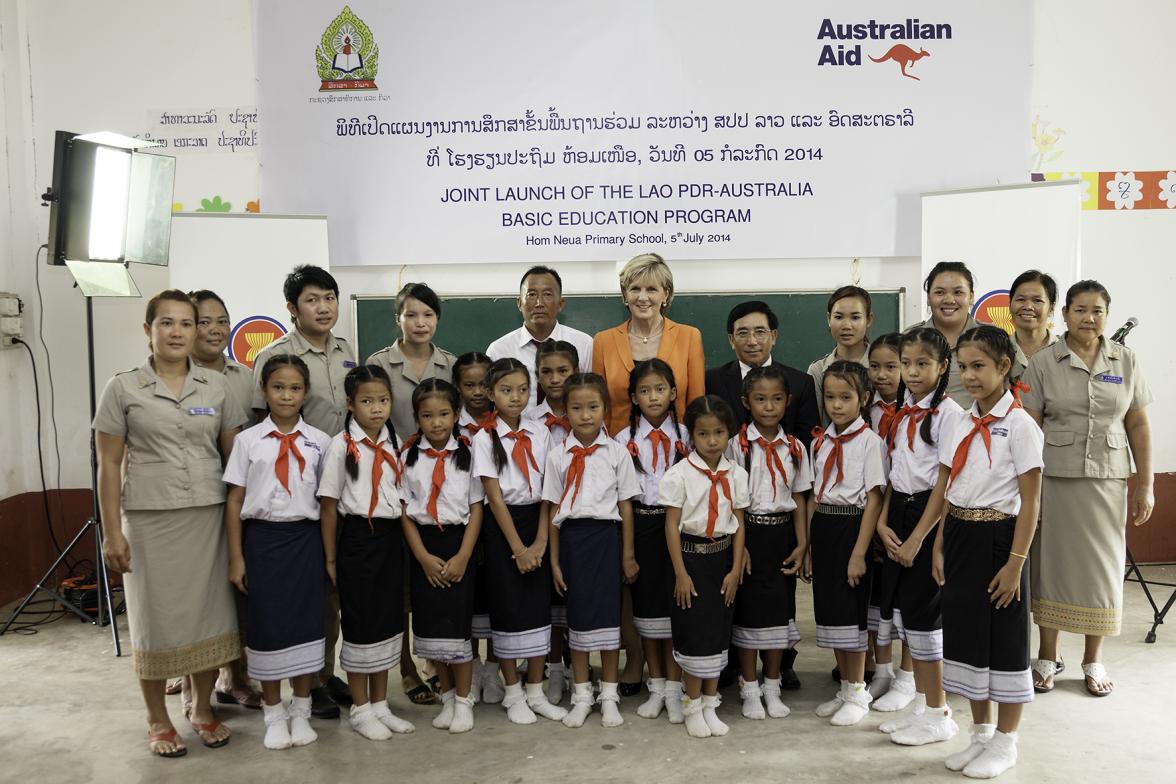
{"x": 1168, "y": 190}
{"x": 1045, "y": 140}
{"x": 214, "y": 205}
{"x": 253, "y": 206}
{"x": 1124, "y": 190}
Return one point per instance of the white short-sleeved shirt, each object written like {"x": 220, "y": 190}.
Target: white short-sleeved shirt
{"x": 460, "y": 490}
{"x": 917, "y": 470}
{"x": 469, "y": 425}
{"x": 877, "y": 411}
{"x": 609, "y": 478}
{"x": 650, "y": 477}
{"x": 251, "y": 465}
{"x": 686, "y": 487}
{"x": 539, "y": 412}
{"x": 863, "y": 466}
{"x": 516, "y": 490}
{"x": 768, "y": 496}
{"x": 1017, "y": 444}
{"x": 355, "y": 495}
{"x": 521, "y": 345}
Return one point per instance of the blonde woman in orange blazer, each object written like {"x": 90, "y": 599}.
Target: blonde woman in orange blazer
{"x": 647, "y": 288}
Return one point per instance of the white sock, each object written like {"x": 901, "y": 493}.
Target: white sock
{"x": 752, "y": 695}
{"x": 918, "y": 705}
{"x": 301, "y": 733}
{"x": 463, "y": 715}
{"x": 610, "y": 713}
{"x": 880, "y": 683}
{"x": 776, "y": 707}
{"x": 277, "y": 726}
{"x": 696, "y": 726}
{"x": 537, "y": 701}
{"x": 581, "y": 705}
{"x": 445, "y": 718}
{"x": 899, "y": 695}
{"x": 652, "y": 707}
{"x": 674, "y": 702}
{"x": 363, "y": 720}
{"x": 1000, "y": 754}
{"x": 980, "y": 735}
{"x": 934, "y": 726}
{"x": 855, "y": 707}
{"x": 493, "y": 689}
{"x": 710, "y": 703}
{"x": 827, "y": 709}
{"x": 555, "y": 683}
{"x": 391, "y": 720}
{"x": 516, "y": 706}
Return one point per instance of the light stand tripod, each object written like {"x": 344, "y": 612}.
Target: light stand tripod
{"x": 105, "y": 610}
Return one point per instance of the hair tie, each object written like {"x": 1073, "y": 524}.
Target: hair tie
{"x": 632, "y": 447}
{"x": 1019, "y": 388}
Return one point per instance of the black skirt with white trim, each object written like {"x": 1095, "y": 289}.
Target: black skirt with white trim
{"x": 985, "y": 650}
{"x": 590, "y": 559}
{"x": 520, "y": 604}
{"x": 702, "y": 633}
{"x": 481, "y": 624}
{"x": 841, "y": 611}
{"x": 765, "y": 606}
{"x": 653, "y": 591}
{"x": 369, "y": 572}
{"x": 442, "y": 618}
{"x": 917, "y": 619}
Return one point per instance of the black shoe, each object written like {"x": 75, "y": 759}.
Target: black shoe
{"x": 788, "y": 679}
{"x": 837, "y": 675}
{"x": 629, "y": 689}
{"x": 321, "y": 704}
{"x": 338, "y": 690}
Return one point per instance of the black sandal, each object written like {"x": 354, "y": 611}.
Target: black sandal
{"x": 629, "y": 689}
{"x": 420, "y": 694}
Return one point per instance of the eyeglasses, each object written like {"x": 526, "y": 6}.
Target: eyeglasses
{"x": 535, "y": 296}
{"x": 759, "y": 333}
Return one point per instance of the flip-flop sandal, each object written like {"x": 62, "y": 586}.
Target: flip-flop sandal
{"x": 434, "y": 683}
{"x": 165, "y": 737}
{"x": 174, "y": 686}
{"x": 1046, "y": 669}
{"x": 1061, "y": 667}
{"x": 210, "y": 728}
{"x": 246, "y": 698}
{"x": 1096, "y": 673}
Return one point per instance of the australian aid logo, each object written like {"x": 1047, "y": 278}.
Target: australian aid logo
{"x": 251, "y": 335}
{"x": 993, "y": 308}
{"x": 902, "y": 54}
{"x": 347, "y": 56}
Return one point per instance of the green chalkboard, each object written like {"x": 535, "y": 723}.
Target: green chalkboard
{"x": 472, "y": 323}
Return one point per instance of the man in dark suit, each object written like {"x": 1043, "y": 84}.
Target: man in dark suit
{"x": 752, "y": 329}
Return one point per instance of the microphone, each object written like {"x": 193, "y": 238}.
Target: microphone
{"x": 1122, "y": 332}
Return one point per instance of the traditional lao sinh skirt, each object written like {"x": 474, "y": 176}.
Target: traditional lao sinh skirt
{"x": 370, "y": 577}
{"x": 841, "y": 611}
{"x": 442, "y": 618}
{"x": 653, "y": 591}
{"x": 520, "y": 604}
{"x": 284, "y": 567}
{"x": 702, "y": 633}
{"x": 590, "y": 559}
{"x": 765, "y": 606}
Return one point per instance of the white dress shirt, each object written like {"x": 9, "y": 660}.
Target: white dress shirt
{"x": 459, "y": 491}
{"x": 863, "y": 466}
{"x": 522, "y": 345}
{"x": 686, "y": 487}
{"x": 916, "y": 470}
{"x": 355, "y": 495}
{"x": 252, "y": 466}
{"x": 653, "y": 469}
{"x": 608, "y": 479}
{"x": 768, "y": 496}
{"x": 516, "y": 488}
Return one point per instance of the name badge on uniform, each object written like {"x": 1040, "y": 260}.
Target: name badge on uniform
{"x": 1110, "y": 379}
{"x": 347, "y": 363}
{"x": 1000, "y": 431}
{"x": 202, "y": 411}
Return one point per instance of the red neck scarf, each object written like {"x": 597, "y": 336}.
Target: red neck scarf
{"x": 287, "y": 445}
{"x": 437, "y": 481}
{"x": 980, "y": 425}
{"x": 913, "y": 415}
{"x": 576, "y": 471}
{"x": 551, "y": 420}
{"x": 380, "y": 457}
{"x": 889, "y": 411}
{"x": 659, "y": 439}
{"x": 521, "y": 453}
{"x": 717, "y": 479}
{"x": 834, "y": 455}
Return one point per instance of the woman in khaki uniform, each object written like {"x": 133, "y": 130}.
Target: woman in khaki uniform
{"x": 163, "y": 519}
{"x": 1090, "y": 398}
{"x": 1032, "y": 298}
{"x": 950, "y": 295}
{"x": 849, "y": 315}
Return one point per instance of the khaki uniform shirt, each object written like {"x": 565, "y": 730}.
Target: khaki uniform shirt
{"x": 326, "y": 402}
{"x": 440, "y": 365}
{"x": 1021, "y": 363}
{"x": 1083, "y": 409}
{"x": 173, "y": 450}
{"x": 240, "y": 382}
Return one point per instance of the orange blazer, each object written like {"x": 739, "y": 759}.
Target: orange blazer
{"x": 680, "y": 348}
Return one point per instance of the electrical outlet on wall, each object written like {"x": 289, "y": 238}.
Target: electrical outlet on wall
{"x": 10, "y": 325}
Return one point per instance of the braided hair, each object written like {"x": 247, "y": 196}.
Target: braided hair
{"x": 498, "y": 371}
{"x": 771, "y": 372}
{"x": 994, "y": 342}
{"x": 355, "y": 377}
{"x": 856, "y": 376}
{"x": 933, "y": 341}
{"x": 437, "y": 387}
{"x": 644, "y": 369}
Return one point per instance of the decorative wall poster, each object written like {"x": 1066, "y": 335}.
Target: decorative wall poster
{"x": 529, "y": 130}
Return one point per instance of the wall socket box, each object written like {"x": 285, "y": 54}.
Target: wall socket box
{"x": 10, "y": 325}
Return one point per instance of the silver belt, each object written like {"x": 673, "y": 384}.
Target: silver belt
{"x": 833, "y": 509}
{"x": 768, "y": 519}
{"x": 706, "y": 548}
{"x": 649, "y": 511}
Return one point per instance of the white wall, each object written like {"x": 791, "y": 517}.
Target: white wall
{"x": 104, "y": 64}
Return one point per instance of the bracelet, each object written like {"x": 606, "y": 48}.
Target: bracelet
{"x": 1018, "y": 555}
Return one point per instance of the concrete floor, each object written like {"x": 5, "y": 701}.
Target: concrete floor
{"x": 70, "y": 711}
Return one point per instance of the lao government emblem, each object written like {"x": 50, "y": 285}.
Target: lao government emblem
{"x": 347, "y": 56}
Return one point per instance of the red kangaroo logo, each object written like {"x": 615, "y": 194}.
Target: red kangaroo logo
{"x": 904, "y": 56}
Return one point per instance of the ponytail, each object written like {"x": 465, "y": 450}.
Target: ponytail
{"x": 412, "y": 448}
{"x": 634, "y": 412}
{"x": 496, "y": 447}
{"x": 462, "y": 457}
{"x": 936, "y": 399}
{"x": 349, "y": 462}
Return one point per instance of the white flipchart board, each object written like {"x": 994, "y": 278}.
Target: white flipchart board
{"x": 1000, "y": 232}
{"x": 241, "y": 256}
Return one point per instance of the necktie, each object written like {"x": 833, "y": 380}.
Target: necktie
{"x": 716, "y": 478}
{"x": 380, "y": 457}
{"x": 576, "y": 472}
{"x": 437, "y": 481}
{"x": 288, "y": 444}
{"x": 979, "y": 425}
{"x": 657, "y": 437}
{"x": 889, "y": 410}
{"x": 551, "y": 420}
{"x": 835, "y": 457}
{"x": 521, "y": 453}
{"x": 913, "y": 416}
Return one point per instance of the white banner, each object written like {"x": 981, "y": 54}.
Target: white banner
{"x": 530, "y": 130}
